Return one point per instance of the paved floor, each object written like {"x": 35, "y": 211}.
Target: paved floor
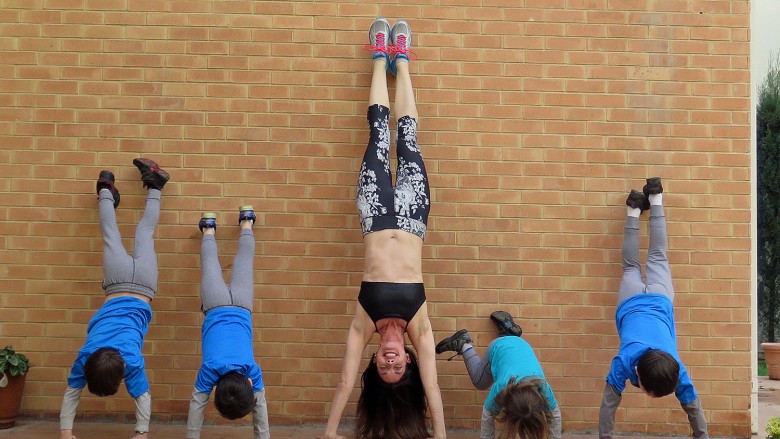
{"x": 50, "y": 430}
{"x": 768, "y": 401}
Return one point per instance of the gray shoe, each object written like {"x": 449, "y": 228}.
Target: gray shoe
{"x": 400, "y": 43}
{"x": 454, "y": 343}
{"x": 379, "y": 39}
{"x": 506, "y": 325}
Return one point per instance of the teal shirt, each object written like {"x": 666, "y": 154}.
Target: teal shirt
{"x": 512, "y": 357}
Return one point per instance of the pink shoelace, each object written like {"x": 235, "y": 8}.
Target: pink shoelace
{"x": 401, "y": 48}
{"x": 380, "y": 46}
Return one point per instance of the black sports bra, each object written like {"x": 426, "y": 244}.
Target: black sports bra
{"x": 384, "y": 300}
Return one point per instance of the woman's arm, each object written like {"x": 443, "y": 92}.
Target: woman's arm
{"x": 357, "y": 339}
{"x": 421, "y": 336}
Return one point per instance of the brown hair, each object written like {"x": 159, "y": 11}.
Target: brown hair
{"x": 658, "y": 372}
{"x": 104, "y": 371}
{"x": 524, "y": 410}
{"x": 392, "y": 411}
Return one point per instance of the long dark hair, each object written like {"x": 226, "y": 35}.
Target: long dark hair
{"x": 392, "y": 411}
{"x": 524, "y": 410}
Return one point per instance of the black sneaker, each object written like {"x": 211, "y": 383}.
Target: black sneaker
{"x": 106, "y": 181}
{"x": 454, "y": 343}
{"x": 506, "y": 325}
{"x": 637, "y": 200}
{"x": 653, "y": 186}
{"x": 151, "y": 173}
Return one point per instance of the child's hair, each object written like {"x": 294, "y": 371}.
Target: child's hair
{"x": 104, "y": 371}
{"x": 658, "y": 372}
{"x": 392, "y": 410}
{"x": 234, "y": 397}
{"x": 524, "y": 410}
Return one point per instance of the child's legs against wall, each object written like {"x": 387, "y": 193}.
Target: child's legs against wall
{"x": 213, "y": 290}
{"x": 659, "y": 276}
{"x": 478, "y": 367}
{"x": 117, "y": 264}
{"x": 631, "y": 284}
{"x": 145, "y": 271}
{"x": 242, "y": 285}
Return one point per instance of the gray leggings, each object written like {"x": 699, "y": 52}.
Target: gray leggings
{"x": 659, "y": 278}
{"x": 213, "y": 290}
{"x": 122, "y": 272}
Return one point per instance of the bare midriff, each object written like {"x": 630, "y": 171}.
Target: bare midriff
{"x": 393, "y": 256}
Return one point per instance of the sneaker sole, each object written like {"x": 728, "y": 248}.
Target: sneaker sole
{"x": 440, "y": 346}
{"x": 505, "y": 322}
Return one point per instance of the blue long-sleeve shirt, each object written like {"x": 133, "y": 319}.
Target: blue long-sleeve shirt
{"x": 227, "y": 347}
{"x": 644, "y": 322}
{"x": 121, "y": 324}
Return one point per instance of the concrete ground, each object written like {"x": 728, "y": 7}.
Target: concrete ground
{"x": 768, "y": 401}
{"x": 50, "y": 430}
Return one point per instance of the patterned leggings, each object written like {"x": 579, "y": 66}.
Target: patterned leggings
{"x": 380, "y": 205}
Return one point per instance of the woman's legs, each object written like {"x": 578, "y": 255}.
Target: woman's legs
{"x": 375, "y": 187}
{"x": 412, "y": 192}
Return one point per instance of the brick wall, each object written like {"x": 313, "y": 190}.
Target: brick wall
{"x": 537, "y": 117}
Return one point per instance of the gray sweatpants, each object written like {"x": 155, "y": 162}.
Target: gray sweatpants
{"x": 659, "y": 277}
{"x": 122, "y": 272}
{"x": 213, "y": 290}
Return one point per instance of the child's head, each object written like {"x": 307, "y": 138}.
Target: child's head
{"x": 658, "y": 373}
{"x": 396, "y": 409}
{"x": 234, "y": 397}
{"x": 524, "y": 410}
{"x": 104, "y": 371}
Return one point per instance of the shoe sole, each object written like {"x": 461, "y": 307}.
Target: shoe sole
{"x": 145, "y": 165}
{"x": 505, "y": 322}
{"x": 440, "y": 346}
{"x": 107, "y": 178}
{"x": 653, "y": 183}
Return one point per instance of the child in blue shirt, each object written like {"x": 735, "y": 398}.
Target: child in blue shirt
{"x": 115, "y": 334}
{"x": 519, "y": 396}
{"x": 228, "y": 364}
{"x": 647, "y": 356}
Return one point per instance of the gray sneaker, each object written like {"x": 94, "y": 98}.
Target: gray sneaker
{"x": 400, "y": 43}
{"x": 379, "y": 39}
{"x": 506, "y": 325}
{"x": 454, "y": 343}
